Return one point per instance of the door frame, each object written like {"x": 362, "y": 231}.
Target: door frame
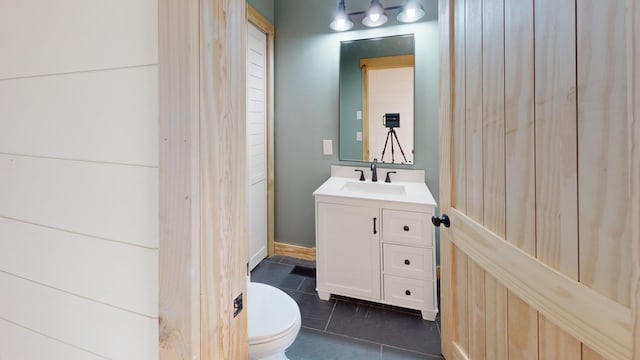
{"x": 254, "y": 17}
{"x": 377, "y": 63}
{"x": 202, "y": 235}
{"x": 618, "y": 333}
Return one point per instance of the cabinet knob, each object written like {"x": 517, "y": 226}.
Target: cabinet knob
{"x": 406, "y": 228}
{"x": 407, "y": 292}
{"x": 407, "y": 262}
{"x": 444, "y": 220}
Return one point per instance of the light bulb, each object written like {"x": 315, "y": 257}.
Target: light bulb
{"x": 374, "y": 17}
{"x": 411, "y": 12}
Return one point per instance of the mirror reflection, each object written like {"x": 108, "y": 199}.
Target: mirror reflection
{"x": 376, "y": 99}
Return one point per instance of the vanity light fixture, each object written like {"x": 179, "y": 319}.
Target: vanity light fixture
{"x": 341, "y": 21}
{"x": 412, "y": 11}
{"x": 376, "y": 14}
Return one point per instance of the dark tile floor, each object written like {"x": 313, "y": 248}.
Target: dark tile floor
{"x": 345, "y": 328}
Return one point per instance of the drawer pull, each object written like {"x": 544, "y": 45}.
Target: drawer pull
{"x": 407, "y": 262}
{"x": 407, "y": 292}
{"x": 406, "y": 228}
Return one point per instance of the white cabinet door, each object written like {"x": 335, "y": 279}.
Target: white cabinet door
{"x": 348, "y": 250}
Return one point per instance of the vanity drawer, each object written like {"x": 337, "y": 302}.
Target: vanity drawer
{"x": 409, "y": 293}
{"x": 407, "y": 227}
{"x": 407, "y": 261}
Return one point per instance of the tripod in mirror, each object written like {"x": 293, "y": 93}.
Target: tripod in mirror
{"x": 392, "y": 121}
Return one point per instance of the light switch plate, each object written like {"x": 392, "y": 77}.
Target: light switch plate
{"x": 358, "y": 115}
{"x": 359, "y": 136}
{"x": 327, "y": 147}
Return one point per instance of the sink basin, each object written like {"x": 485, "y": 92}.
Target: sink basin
{"x": 373, "y": 188}
{"x": 408, "y": 187}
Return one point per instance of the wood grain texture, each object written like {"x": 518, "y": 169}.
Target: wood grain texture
{"x": 179, "y": 202}
{"x": 558, "y": 139}
{"x": 602, "y": 149}
{"x": 458, "y": 127}
{"x": 555, "y": 343}
{"x": 477, "y": 312}
{"x": 387, "y": 62}
{"x": 589, "y": 354}
{"x": 445, "y": 113}
{"x": 299, "y": 252}
{"x": 601, "y": 323}
{"x": 555, "y": 136}
{"x": 497, "y": 331}
{"x": 633, "y": 123}
{"x": 493, "y": 124}
{"x": 257, "y": 19}
{"x": 83, "y": 116}
{"x": 223, "y": 235}
{"x": 76, "y": 35}
{"x": 461, "y": 300}
{"x": 473, "y": 115}
{"x": 520, "y": 204}
{"x": 519, "y": 125}
{"x": 523, "y": 329}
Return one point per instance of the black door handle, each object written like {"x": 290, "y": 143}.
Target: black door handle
{"x": 444, "y": 220}
{"x": 374, "y": 226}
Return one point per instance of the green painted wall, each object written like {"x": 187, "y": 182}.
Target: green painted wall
{"x": 307, "y": 55}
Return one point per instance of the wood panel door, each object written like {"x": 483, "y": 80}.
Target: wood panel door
{"x": 539, "y": 156}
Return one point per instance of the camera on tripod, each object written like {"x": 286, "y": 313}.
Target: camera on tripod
{"x": 391, "y": 120}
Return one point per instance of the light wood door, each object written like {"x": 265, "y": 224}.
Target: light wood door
{"x": 539, "y": 176}
{"x": 202, "y": 126}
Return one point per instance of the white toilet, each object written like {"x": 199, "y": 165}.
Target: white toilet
{"x": 273, "y": 321}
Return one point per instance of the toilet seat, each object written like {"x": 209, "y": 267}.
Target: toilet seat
{"x": 271, "y": 314}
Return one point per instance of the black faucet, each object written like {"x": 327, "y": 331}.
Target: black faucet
{"x": 388, "y": 179}
{"x": 374, "y": 171}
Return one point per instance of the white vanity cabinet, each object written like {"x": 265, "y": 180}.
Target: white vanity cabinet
{"x": 350, "y": 244}
{"x": 408, "y": 258}
{"x": 377, "y": 244}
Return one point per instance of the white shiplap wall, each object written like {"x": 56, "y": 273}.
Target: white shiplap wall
{"x": 78, "y": 179}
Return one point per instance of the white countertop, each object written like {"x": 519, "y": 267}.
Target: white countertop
{"x": 407, "y": 186}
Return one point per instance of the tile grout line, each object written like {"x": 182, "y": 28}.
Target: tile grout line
{"x": 373, "y": 342}
{"x": 330, "y": 316}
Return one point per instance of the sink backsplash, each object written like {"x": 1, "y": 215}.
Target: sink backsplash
{"x": 405, "y": 175}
